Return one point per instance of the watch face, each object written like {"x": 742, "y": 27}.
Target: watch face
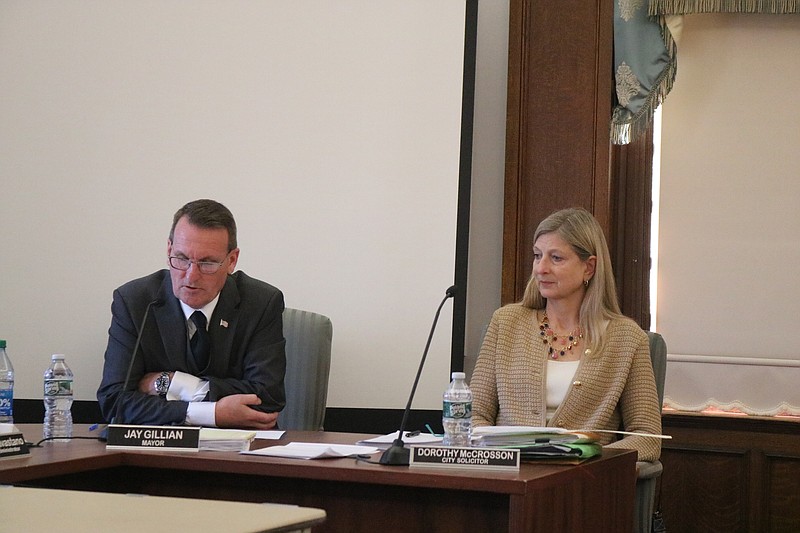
{"x": 162, "y": 383}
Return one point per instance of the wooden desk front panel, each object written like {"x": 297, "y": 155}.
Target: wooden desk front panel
{"x": 352, "y": 507}
{"x": 357, "y": 496}
{"x": 730, "y": 473}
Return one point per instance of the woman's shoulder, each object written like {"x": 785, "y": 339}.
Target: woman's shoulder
{"x": 626, "y": 330}
{"x": 514, "y": 312}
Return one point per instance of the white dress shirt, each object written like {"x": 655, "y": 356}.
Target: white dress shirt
{"x": 191, "y": 388}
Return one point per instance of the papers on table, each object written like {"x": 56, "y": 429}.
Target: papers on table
{"x": 537, "y": 443}
{"x": 551, "y": 443}
{"x": 6, "y": 428}
{"x": 272, "y": 434}
{"x": 225, "y": 440}
{"x": 235, "y": 440}
{"x": 526, "y": 435}
{"x": 313, "y": 450}
{"x": 513, "y": 430}
{"x": 385, "y": 441}
{"x": 555, "y": 434}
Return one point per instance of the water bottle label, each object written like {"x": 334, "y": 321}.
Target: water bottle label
{"x": 6, "y": 404}
{"x": 457, "y": 410}
{"x": 58, "y": 387}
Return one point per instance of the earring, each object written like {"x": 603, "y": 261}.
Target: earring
{"x": 586, "y": 283}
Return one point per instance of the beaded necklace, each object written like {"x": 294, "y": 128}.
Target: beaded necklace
{"x": 558, "y": 344}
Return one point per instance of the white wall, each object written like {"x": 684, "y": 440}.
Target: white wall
{"x": 730, "y": 223}
{"x": 341, "y": 170}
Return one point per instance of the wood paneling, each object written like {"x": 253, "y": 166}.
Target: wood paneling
{"x": 559, "y": 109}
{"x": 783, "y": 499}
{"x": 629, "y": 239}
{"x": 558, "y": 152}
{"x": 730, "y": 474}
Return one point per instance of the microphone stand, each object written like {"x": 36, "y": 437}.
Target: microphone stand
{"x": 397, "y": 454}
{"x": 115, "y": 408}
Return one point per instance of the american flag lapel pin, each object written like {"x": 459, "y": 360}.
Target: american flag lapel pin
{"x": 223, "y": 323}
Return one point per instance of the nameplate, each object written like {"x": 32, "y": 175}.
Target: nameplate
{"x": 173, "y": 438}
{"x": 456, "y": 457}
{"x": 12, "y": 444}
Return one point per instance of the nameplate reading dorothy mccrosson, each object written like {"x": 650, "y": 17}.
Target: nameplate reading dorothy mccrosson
{"x": 456, "y": 457}
{"x": 174, "y": 438}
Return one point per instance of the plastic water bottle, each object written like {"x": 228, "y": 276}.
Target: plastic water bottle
{"x": 457, "y": 412}
{"x": 58, "y": 400}
{"x": 6, "y": 386}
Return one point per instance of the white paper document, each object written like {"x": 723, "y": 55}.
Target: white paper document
{"x": 8, "y": 428}
{"x": 516, "y": 430}
{"x": 384, "y": 441}
{"x": 313, "y": 450}
{"x": 225, "y": 440}
{"x": 271, "y": 434}
{"x": 520, "y": 430}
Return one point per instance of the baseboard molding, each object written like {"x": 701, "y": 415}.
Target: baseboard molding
{"x": 344, "y": 419}
{"x": 380, "y": 421}
{"x": 32, "y": 411}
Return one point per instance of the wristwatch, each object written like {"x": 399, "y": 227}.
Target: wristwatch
{"x": 162, "y": 384}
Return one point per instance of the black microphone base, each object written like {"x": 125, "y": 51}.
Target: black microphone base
{"x": 396, "y": 455}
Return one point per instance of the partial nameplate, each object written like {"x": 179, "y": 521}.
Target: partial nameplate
{"x": 172, "y": 438}
{"x": 12, "y": 444}
{"x": 457, "y": 457}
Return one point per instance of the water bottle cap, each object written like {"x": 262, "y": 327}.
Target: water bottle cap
{"x": 458, "y": 375}
{"x": 57, "y": 357}
{"x": 2, "y": 344}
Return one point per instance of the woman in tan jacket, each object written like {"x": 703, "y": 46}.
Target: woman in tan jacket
{"x": 565, "y": 356}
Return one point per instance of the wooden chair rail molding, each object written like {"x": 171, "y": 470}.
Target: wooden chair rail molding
{"x": 730, "y": 473}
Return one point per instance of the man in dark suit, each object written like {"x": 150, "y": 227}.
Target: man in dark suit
{"x": 212, "y": 348}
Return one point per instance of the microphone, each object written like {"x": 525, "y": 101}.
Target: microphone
{"x": 115, "y": 408}
{"x": 397, "y": 454}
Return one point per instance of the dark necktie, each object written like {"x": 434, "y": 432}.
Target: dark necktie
{"x": 200, "y": 343}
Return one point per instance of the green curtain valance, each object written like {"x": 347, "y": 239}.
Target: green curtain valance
{"x": 645, "y": 54}
{"x": 684, "y": 7}
{"x": 645, "y": 63}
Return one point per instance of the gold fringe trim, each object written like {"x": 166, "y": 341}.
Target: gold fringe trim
{"x": 684, "y": 7}
{"x": 626, "y": 127}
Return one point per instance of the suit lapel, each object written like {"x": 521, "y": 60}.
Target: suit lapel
{"x": 222, "y": 327}
{"x": 171, "y": 326}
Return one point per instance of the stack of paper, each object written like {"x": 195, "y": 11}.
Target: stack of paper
{"x": 226, "y": 440}
{"x": 410, "y": 439}
{"x": 313, "y": 450}
{"x": 270, "y": 434}
{"x": 537, "y": 443}
{"x": 515, "y": 436}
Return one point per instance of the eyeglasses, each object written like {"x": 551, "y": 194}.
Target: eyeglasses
{"x": 205, "y": 267}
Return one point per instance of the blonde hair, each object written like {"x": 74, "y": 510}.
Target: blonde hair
{"x": 578, "y": 228}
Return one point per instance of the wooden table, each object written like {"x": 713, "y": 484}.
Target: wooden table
{"x": 597, "y": 495}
